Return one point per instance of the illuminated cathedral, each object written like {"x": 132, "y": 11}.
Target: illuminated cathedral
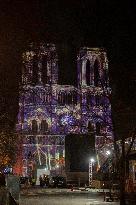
{"x": 49, "y": 111}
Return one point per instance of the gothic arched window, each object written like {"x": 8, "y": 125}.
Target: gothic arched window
{"x": 91, "y": 100}
{"x": 44, "y": 126}
{"x": 106, "y": 77}
{"x": 33, "y": 96}
{"x": 90, "y": 127}
{"x": 98, "y": 128}
{"x": 34, "y": 126}
{"x": 88, "y": 98}
{"x": 30, "y": 155}
{"x": 31, "y": 140}
{"x": 44, "y": 70}
{"x": 74, "y": 97}
{"x": 63, "y": 98}
{"x": 47, "y": 97}
{"x": 69, "y": 98}
{"x": 88, "y": 72}
{"x": 59, "y": 98}
{"x": 96, "y": 72}
{"x": 97, "y": 100}
{"x": 35, "y": 70}
{"x": 101, "y": 100}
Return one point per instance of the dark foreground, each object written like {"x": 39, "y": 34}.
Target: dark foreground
{"x": 62, "y": 197}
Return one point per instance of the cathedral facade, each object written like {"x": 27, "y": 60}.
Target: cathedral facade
{"x": 49, "y": 111}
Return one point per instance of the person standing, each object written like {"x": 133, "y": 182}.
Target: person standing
{"x": 41, "y": 181}
{"x": 33, "y": 181}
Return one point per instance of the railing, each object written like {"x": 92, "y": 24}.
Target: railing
{"x": 12, "y": 201}
{"x": 6, "y": 198}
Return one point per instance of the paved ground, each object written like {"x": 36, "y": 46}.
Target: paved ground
{"x": 63, "y": 200}
{"x": 61, "y": 197}
{"x": 57, "y": 190}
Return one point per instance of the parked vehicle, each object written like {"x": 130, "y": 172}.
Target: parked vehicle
{"x": 72, "y": 183}
{"x": 57, "y": 181}
{"x": 23, "y": 180}
{"x": 61, "y": 182}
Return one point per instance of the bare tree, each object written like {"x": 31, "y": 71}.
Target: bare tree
{"x": 8, "y": 148}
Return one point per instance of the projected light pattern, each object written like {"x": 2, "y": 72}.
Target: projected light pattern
{"x": 49, "y": 111}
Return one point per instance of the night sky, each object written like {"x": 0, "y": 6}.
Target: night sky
{"x": 70, "y": 25}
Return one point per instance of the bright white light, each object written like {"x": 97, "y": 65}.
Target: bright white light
{"x": 45, "y": 169}
{"x": 92, "y": 160}
{"x": 108, "y": 152}
{"x": 57, "y": 166}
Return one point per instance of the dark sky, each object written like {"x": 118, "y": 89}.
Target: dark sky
{"x": 70, "y": 24}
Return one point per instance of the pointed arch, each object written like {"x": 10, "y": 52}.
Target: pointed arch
{"x": 44, "y": 126}
{"x": 59, "y": 98}
{"x": 96, "y": 72}
{"x": 62, "y": 98}
{"x": 44, "y": 69}
{"x": 34, "y": 126}
{"x": 69, "y": 98}
{"x": 98, "y": 128}
{"x": 35, "y": 70}
{"x": 88, "y": 70}
{"x": 31, "y": 139}
{"x": 74, "y": 96}
{"x": 90, "y": 127}
{"x": 97, "y": 100}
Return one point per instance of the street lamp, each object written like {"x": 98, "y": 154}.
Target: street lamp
{"x": 108, "y": 153}
{"x": 91, "y": 161}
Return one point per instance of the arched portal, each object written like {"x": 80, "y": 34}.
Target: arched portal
{"x": 90, "y": 127}
{"x": 34, "y": 126}
{"x": 98, "y": 128}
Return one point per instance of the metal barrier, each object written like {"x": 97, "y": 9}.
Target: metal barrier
{"x": 12, "y": 200}
{"x": 6, "y": 198}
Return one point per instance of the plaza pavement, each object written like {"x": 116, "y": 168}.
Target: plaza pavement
{"x": 38, "y": 194}
{"x": 38, "y": 190}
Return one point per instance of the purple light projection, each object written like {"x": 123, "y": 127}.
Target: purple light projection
{"x": 49, "y": 111}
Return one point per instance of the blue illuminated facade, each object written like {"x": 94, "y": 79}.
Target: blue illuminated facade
{"x": 49, "y": 111}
